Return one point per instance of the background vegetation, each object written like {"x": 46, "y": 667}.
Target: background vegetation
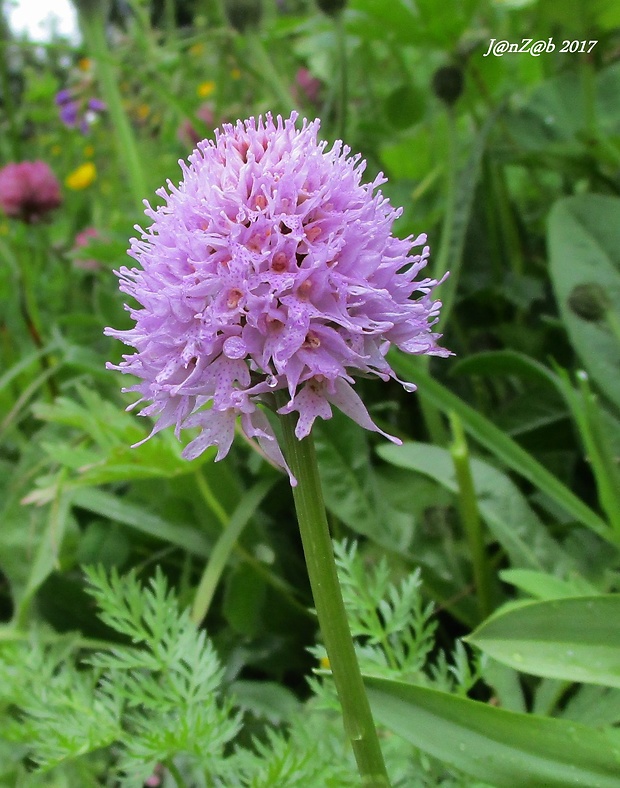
{"x": 504, "y": 497}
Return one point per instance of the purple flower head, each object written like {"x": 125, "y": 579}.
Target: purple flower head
{"x": 28, "y": 191}
{"x": 270, "y": 268}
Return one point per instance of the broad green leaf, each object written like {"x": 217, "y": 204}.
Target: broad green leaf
{"x": 575, "y": 639}
{"x": 584, "y": 247}
{"x": 499, "y": 444}
{"x": 545, "y": 586}
{"x": 418, "y": 23}
{"x": 505, "y": 362}
{"x": 404, "y": 106}
{"x": 594, "y": 705}
{"x": 503, "y": 748}
{"x": 502, "y": 506}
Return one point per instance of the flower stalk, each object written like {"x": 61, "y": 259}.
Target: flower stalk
{"x": 92, "y": 23}
{"x": 358, "y": 722}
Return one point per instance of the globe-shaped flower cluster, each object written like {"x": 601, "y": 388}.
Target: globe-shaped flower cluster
{"x": 29, "y": 191}
{"x": 270, "y": 268}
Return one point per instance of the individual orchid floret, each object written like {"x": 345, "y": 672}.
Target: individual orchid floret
{"x": 270, "y": 275}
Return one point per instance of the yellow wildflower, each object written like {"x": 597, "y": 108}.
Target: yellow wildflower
{"x": 205, "y": 89}
{"x": 84, "y": 64}
{"x": 196, "y": 49}
{"x": 324, "y": 663}
{"x": 143, "y": 111}
{"x": 82, "y": 177}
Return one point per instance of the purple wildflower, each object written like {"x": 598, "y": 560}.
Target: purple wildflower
{"x": 271, "y": 267}
{"x": 187, "y": 132}
{"x": 69, "y": 114}
{"x": 310, "y": 87}
{"x": 97, "y": 105}
{"x": 83, "y": 239}
{"x": 63, "y": 97}
{"x": 29, "y": 191}
{"x": 76, "y": 110}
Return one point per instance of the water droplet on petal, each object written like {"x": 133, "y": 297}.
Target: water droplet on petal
{"x": 409, "y": 386}
{"x": 234, "y": 348}
{"x": 272, "y": 381}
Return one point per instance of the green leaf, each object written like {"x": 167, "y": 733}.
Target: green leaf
{"x": 224, "y": 546}
{"x": 265, "y": 700}
{"x": 594, "y": 705}
{"x": 502, "y": 506}
{"x": 502, "y": 748}
{"x": 458, "y": 216}
{"x": 113, "y": 431}
{"x": 244, "y": 600}
{"x": 350, "y": 486}
{"x": 503, "y": 447}
{"x": 404, "y": 106}
{"x": 576, "y": 639}
{"x": 114, "y": 508}
{"x": 545, "y": 586}
{"x": 584, "y": 246}
{"x": 505, "y": 362}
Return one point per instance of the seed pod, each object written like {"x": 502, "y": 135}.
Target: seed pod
{"x": 448, "y": 83}
{"x": 589, "y": 302}
{"x": 331, "y": 7}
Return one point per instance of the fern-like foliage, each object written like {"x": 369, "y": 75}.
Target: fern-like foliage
{"x": 149, "y": 702}
{"x": 156, "y": 705}
{"x": 312, "y": 752}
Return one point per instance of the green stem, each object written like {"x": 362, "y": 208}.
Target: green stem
{"x": 29, "y": 259}
{"x": 341, "y": 40}
{"x": 442, "y": 262}
{"x": 308, "y": 496}
{"x": 92, "y": 23}
{"x": 431, "y": 413}
{"x": 178, "y": 777}
{"x": 210, "y": 499}
{"x": 264, "y": 65}
{"x": 5, "y": 84}
{"x": 470, "y": 516}
{"x": 226, "y": 543}
{"x": 170, "y": 20}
